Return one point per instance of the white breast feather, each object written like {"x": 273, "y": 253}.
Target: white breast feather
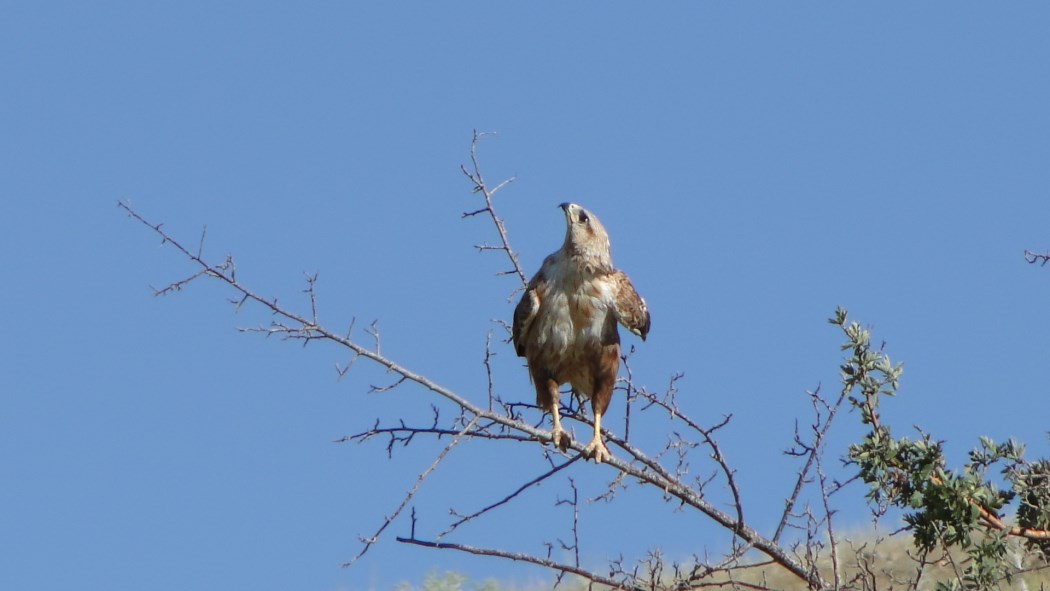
{"x": 563, "y": 296}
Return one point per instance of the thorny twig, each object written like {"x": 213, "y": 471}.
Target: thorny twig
{"x": 403, "y": 433}
{"x": 812, "y": 450}
{"x": 629, "y": 390}
{"x": 529, "y": 558}
{"x": 488, "y": 368}
{"x": 369, "y": 542}
{"x": 1034, "y": 258}
{"x": 574, "y": 504}
{"x": 474, "y": 174}
{"x": 669, "y": 404}
{"x": 465, "y": 518}
{"x": 829, "y": 523}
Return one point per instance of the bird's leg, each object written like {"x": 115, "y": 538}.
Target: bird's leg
{"x": 559, "y": 437}
{"x": 596, "y": 448}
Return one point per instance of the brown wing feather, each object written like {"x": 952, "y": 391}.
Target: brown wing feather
{"x": 525, "y": 313}
{"x": 629, "y": 307}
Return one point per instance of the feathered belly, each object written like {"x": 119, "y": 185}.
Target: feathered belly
{"x": 572, "y": 333}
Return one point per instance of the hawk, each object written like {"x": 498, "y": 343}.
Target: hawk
{"x": 565, "y": 324}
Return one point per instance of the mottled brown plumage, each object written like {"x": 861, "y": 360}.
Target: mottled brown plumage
{"x": 565, "y": 324}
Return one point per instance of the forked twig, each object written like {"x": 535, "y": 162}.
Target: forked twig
{"x": 475, "y": 176}
{"x": 1036, "y": 258}
{"x": 369, "y": 542}
{"x": 522, "y": 557}
{"x": 465, "y": 518}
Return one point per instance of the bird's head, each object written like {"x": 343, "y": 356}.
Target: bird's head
{"x": 585, "y": 236}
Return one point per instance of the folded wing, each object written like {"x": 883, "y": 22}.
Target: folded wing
{"x": 524, "y": 314}
{"x": 629, "y": 307}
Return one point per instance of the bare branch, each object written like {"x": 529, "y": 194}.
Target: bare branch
{"x": 474, "y": 174}
{"x": 488, "y": 368}
{"x": 832, "y": 540}
{"x": 521, "y": 557}
{"x": 630, "y": 392}
{"x": 369, "y": 542}
{"x": 1034, "y": 258}
{"x": 311, "y": 282}
{"x": 465, "y": 518}
{"x": 574, "y": 504}
{"x": 668, "y": 404}
{"x": 373, "y": 389}
{"x": 812, "y": 449}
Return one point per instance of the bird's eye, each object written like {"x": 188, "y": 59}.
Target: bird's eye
{"x": 584, "y": 218}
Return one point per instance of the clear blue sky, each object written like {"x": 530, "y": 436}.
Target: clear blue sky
{"x": 756, "y": 164}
